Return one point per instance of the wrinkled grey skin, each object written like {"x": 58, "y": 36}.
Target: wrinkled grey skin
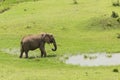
{"x": 32, "y": 42}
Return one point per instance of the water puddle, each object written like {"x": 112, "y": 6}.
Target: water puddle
{"x": 98, "y": 59}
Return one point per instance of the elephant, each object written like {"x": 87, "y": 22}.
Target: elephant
{"x": 32, "y": 42}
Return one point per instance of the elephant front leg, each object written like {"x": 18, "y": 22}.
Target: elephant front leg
{"x": 43, "y": 52}
{"x": 26, "y": 54}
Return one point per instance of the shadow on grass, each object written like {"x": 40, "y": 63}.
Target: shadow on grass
{"x": 48, "y": 56}
{"x": 51, "y": 56}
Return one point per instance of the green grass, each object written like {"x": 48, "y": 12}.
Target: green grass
{"x": 47, "y": 68}
{"x": 81, "y": 28}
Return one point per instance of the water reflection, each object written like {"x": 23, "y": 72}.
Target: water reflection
{"x": 98, "y": 59}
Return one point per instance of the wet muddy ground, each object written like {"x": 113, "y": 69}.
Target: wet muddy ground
{"x": 16, "y": 51}
{"x": 96, "y": 59}
{"x": 13, "y": 51}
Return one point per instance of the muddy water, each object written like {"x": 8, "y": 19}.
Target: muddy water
{"x": 98, "y": 59}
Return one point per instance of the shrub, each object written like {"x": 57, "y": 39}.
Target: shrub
{"x": 5, "y": 9}
{"x": 75, "y": 2}
{"x": 115, "y": 70}
{"x": 118, "y": 35}
{"x": 116, "y": 3}
{"x": 114, "y": 14}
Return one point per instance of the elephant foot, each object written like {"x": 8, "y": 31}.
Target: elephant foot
{"x": 43, "y": 56}
{"x": 26, "y": 57}
{"x": 20, "y": 56}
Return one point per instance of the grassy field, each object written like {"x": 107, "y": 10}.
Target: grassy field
{"x": 83, "y": 28}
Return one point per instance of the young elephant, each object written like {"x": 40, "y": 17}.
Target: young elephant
{"x": 32, "y": 42}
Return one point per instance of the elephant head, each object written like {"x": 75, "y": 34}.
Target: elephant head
{"x": 49, "y": 38}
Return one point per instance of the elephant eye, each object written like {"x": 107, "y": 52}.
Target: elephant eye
{"x": 49, "y": 37}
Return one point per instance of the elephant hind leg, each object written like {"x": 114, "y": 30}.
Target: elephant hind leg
{"x": 21, "y": 54}
{"x": 26, "y": 53}
{"x": 45, "y": 54}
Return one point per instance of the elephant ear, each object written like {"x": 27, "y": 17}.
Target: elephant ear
{"x": 50, "y": 35}
{"x": 43, "y": 36}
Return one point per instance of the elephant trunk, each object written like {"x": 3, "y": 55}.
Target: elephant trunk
{"x": 55, "y": 46}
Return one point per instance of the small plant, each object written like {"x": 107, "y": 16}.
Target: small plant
{"x": 89, "y": 57}
{"x": 28, "y": 27}
{"x": 4, "y": 10}
{"x": 92, "y": 57}
{"x": 115, "y": 70}
{"x": 85, "y": 56}
{"x": 109, "y": 55}
{"x": 118, "y": 35}
{"x": 25, "y": 9}
{"x": 116, "y": 3}
{"x": 118, "y": 20}
{"x": 75, "y": 1}
{"x": 114, "y": 14}
{"x": 66, "y": 57}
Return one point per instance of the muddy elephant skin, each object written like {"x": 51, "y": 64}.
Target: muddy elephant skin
{"x": 32, "y": 42}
